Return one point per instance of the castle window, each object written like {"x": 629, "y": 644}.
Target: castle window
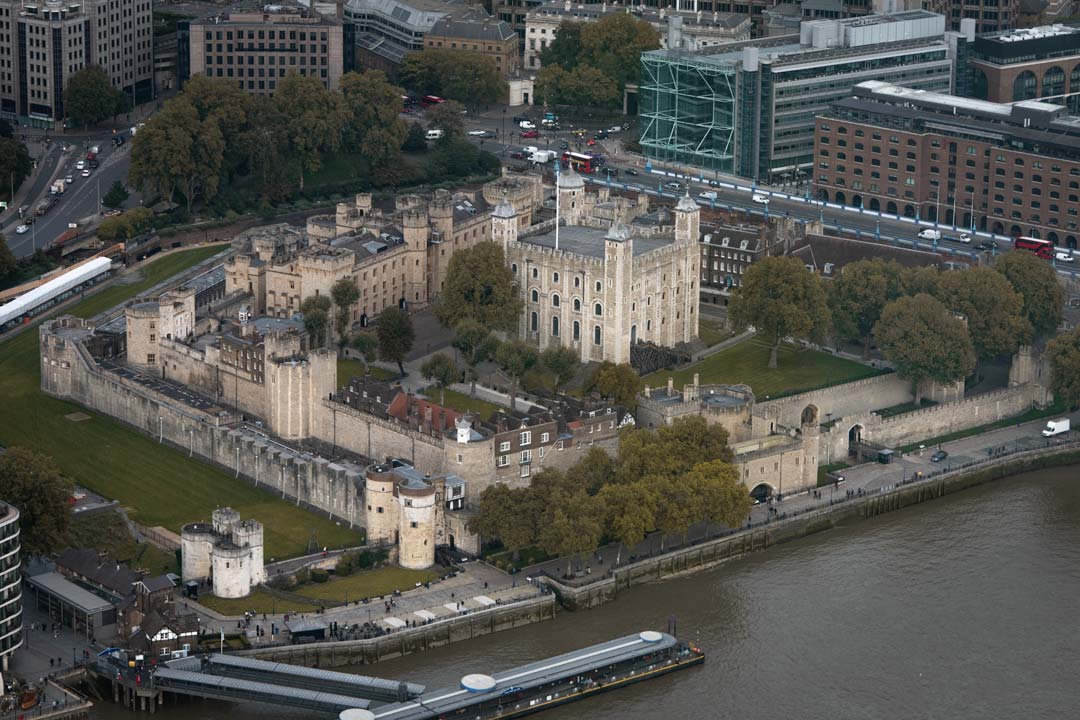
{"x": 577, "y": 282}
{"x": 460, "y": 458}
{"x": 577, "y": 304}
{"x": 555, "y": 301}
{"x": 554, "y": 277}
{"x": 596, "y": 335}
{"x": 152, "y": 337}
{"x": 535, "y": 322}
{"x": 599, "y": 287}
{"x": 504, "y": 447}
{"x": 150, "y": 358}
{"x": 525, "y": 439}
{"x": 555, "y": 327}
{"x": 504, "y": 460}
{"x": 513, "y": 268}
{"x": 598, "y": 310}
{"x": 536, "y": 273}
{"x": 414, "y": 524}
{"x": 534, "y": 296}
{"x": 577, "y": 330}
{"x": 378, "y": 509}
{"x": 544, "y": 437}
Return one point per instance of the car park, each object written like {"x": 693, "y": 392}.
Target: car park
{"x": 1061, "y": 256}
{"x": 760, "y": 198}
{"x": 939, "y": 456}
{"x": 22, "y": 229}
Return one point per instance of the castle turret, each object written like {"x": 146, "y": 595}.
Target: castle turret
{"x": 416, "y": 523}
{"x": 571, "y": 189}
{"x": 380, "y": 506}
{"x": 504, "y": 223}
{"x": 442, "y": 213}
{"x": 687, "y": 220}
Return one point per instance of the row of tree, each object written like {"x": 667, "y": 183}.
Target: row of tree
{"x": 469, "y": 77}
{"x": 15, "y": 162}
{"x": 664, "y": 480}
{"x": 91, "y": 98}
{"x": 931, "y": 325}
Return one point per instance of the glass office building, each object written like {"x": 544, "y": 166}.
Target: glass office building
{"x": 11, "y": 634}
{"x": 750, "y": 110}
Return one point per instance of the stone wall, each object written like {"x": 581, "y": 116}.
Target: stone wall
{"x": 860, "y": 396}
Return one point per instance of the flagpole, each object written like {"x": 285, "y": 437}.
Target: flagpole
{"x": 558, "y": 167}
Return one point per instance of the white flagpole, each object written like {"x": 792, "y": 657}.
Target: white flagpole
{"x": 558, "y": 168}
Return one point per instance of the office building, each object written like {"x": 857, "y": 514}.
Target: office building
{"x": 388, "y": 30}
{"x": 1040, "y": 62}
{"x": 1004, "y": 168}
{"x": 257, "y": 46}
{"x": 699, "y": 29}
{"x": 44, "y": 42}
{"x": 749, "y": 110}
{"x": 11, "y": 630}
{"x": 477, "y": 32}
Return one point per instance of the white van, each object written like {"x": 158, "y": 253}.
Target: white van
{"x": 1056, "y": 427}
{"x": 929, "y": 234}
{"x": 434, "y": 134}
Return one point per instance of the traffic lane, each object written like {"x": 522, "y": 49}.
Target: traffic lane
{"x": 47, "y": 161}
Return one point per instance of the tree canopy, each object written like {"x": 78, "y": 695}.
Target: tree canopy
{"x": 15, "y": 165}
{"x": 562, "y": 362}
{"x": 859, "y": 294}
{"x": 32, "y": 483}
{"x": 924, "y": 341}
{"x": 1037, "y": 283}
{"x": 440, "y": 369}
{"x": 468, "y": 77}
{"x": 994, "y": 311}
{"x": 618, "y": 383}
{"x": 479, "y": 286}
{"x": 396, "y": 335}
{"x": 516, "y": 357}
{"x": 374, "y": 127}
{"x": 477, "y": 344}
{"x": 447, "y": 117}
{"x": 591, "y": 63}
{"x": 583, "y": 86}
{"x": 344, "y": 294}
{"x": 316, "y": 310}
{"x": 116, "y": 196}
{"x": 782, "y": 299}
{"x": 1063, "y": 352}
{"x": 129, "y": 224}
{"x": 8, "y": 263}
{"x": 90, "y": 97}
{"x": 312, "y": 120}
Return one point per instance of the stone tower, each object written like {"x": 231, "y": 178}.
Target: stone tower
{"x": 571, "y": 189}
{"x": 380, "y": 509}
{"x": 442, "y": 213}
{"x": 687, "y": 220}
{"x": 414, "y": 224}
{"x": 416, "y": 523}
{"x": 618, "y": 274}
{"x": 504, "y": 224}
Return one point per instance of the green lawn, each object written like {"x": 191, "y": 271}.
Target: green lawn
{"x": 712, "y": 332}
{"x": 156, "y": 484}
{"x": 367, "y": 583}
{"x": 108, "y": 533}
{"x": 463, "y": 403}
{"x": 747, "y": 363}
{"x": 259, "y": 601}
{"x": 347, "y": 368}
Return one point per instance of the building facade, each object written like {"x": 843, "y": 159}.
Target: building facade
{"x": 257, "y": 47}
{"x": 477, "y": 32}
{"x": 1039, "y": 62}
{"x": 388, "y": 30}
{"x": 227, "y": 552}
{"x": 44, "y": 42}
{"x": 1003, "y": 168}
{"x": 11, "y": 630}
{"x": 750, "y": 110}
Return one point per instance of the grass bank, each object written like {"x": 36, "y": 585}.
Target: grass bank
{"x": 366, "y": 583}
{"x": 347, "y": 368}
{"x": 799, "y": 369}
{"x": 463, "y": 403}
{"x": 156, "y": 484}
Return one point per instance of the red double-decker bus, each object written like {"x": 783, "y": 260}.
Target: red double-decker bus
{"x": 1042, "y": 248}
{"x": 429, "y": 100}
{"x": 581, "y": 163}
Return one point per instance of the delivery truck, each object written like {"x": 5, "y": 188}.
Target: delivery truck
{"x": 1056, "y": 427}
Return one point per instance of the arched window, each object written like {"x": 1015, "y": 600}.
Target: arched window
{"x": 534, "y": 296}
{"x": 596, "y": 336}
{"x": 1073, "y": 101}
{"x": 1053, "y": 82}
{"x": 577, "y": 282}
{"x": 555, "y": 300}
{"x": 513, "y": 268}
{"x": 554, "y": 277}
{"x": 598, "y": 310}
{"x": 599, "y": 287}
{"x": 555, "y": 326}
{"x": 1025, "y": 86}
{"x": 980, "y": 86}
{"x": 536, "y": 273}
{"x": 535, "y": 322}
{"x": 577, "y": 304}
{"x": 577, "y": 330}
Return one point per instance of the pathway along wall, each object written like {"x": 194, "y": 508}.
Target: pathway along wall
{"x": 713, "y": 552}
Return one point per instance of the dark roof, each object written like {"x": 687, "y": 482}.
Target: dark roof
{"x": 154, "y": 584}
{"x": 819, "y": 250}
{"x": 473, "y": 26}
{"x": 98, "y": 569}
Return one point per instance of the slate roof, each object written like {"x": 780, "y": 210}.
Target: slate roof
{"x": 473, "y": 26}
{"x": 97, "y": 569}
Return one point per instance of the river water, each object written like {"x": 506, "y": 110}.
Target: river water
{"x": 964, "y": 607}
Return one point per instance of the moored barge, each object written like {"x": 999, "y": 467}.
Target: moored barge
{"x": 548, "y": 683}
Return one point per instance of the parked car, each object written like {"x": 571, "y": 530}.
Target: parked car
{"x": 527, "y": 125}
{"x": 939, "y": 456}
{"x": 601, "y": 135}
{"x": 1066, "y": 257}
{"x": 22, "y": 229}
{"x": 591, "y": 142}
{"x": 434, "y": 134}
{"x": 530, "y": 134}
{"x": 760, "y": 198}
{"x": 631, "y": 171}
{"x": 564, "y": 145}
{"x": 615, "y": 129}
{"x": 477, "y": 133}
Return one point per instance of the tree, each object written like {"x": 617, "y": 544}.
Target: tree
{"x": 782, "y": 299}
{"x": 618, "y": 383}
{"x": 8, "y": 263}
{"x": 316, "y": 310}
{"x": 584, "y": 86}
{"x": 629, "y": 512}
{"x": 1037, "y": 283}
{"x": 367, "y": 346}
{"x": 440, "y": 369}
{"x": 312, "y": 119}
{"x": 447, "y": 117}
{"x": 924, "y": 341}
{"x": 571, "y": 527}
{"x": 90, "y": 97}
{"x": 516, "y": 357}
{"x": 994, "y": 311}
{"x": 476, "y": 344}
{"x": 565, "y": 50}
{"x": 455, "y": 157}
{"x": 415, "y": 138}
{"x": 718, "y": 494}
{"x": 375, "y": 127}
{"x": 670, "y": 451}
{"x": 505, "y": 513}
{"x": 614, "y": 44}
{"x": 469, "y": 77}
{"x": 676, "y": 511}
{"x": 129, "y": 224}
{"x": 563, "y": 362}
{"x": 396, "y": 335}
{"x": 480, "y": 286}
{"x": 592, "y": 472}
{"x": 344, "y": 294}
{"x": 32, "y": 483}
{"x": 116, "y": 196}
{"x": 15, "y": 165}
{"x": 859, "y": 294}
{"x": 1063, "y": 352}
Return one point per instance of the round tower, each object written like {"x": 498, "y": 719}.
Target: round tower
{"x": 249, "y": 534}
{"x": 196, "y": 541}
{"x": 380, "y": 506}
{"x": 504, "y": 223}
{"x": 416, "y": 525}
{"x": 687, "y": 221}
{"x": 571, "y": 189}
{"x": 232, "y": 570}
{"x": 224, "y": 519}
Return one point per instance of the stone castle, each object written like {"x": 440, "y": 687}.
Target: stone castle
{"x": 227, "y": 553}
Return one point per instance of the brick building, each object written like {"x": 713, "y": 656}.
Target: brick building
{"x": 1026, "y": 64}
{"x": 478, "y": 32}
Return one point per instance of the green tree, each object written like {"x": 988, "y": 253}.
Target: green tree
{"x": 591, "y": 87}
{"x": 676, "y": 511}
{"x": 618, "y": 383}
{"x": 630, "y": 512}
{"x": 1063, "y": 352}
{"x": 440, "y": 369}
{"x": 859, "y": 294}
{"x": 375, "y": 127}
{"x": 90, "y": 97}
{"x": 614, "y": 45}
{"x": 565, "y": 50}
{"x": 15, "y": 165}
{"x": 455, "y": 157}
{"x": 571, "y": 527}
{"x": 994, "y": 311}
{"x": 670, "y": 451}
{"x": 516, "y": 357}
{"x": 447, "y": 117}
{"x": 476, "y": 344}
{"x": 719, "y": 496}
{"x": 924, "y": 341}
{"x": 782, "y": 299}
{"x": 116, "y": 196}
{"x": 32, "y": 483}
{"x": 415, "y": 139}
{"x": 396, "y": 335}
{"x": 563, "y": 362}
{"x": 480, "y": 286}
{"x": 344, "y": 294}
{"x": 592, "y": 472}
{"x": 316, "y": 310}
{"x": 469, "y": 77}
{"x": 312, "y": 120}
{"x": 367, "y": 346}
{"x": 505, "y": 513}
{"x": 222, "y": 103}
{"x": 8, "y": 263}
{"x": 1037, "y": 283}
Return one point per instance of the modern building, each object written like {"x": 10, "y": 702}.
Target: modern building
{"x": 388, "y": 30}
{"x": 11, "y": 630}
{"x": 256, "y": 46}
{"x": 699, "y": 29}
{"x": 1005, "y": 168}
{"x": 477, "y": 32}
{"x": 990, "y": 16}
{"x": 750, "y": 110}
{"x": 44, "y": 42}
{"x": 1039, "y": 62}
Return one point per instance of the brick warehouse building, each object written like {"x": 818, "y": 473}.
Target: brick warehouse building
{"x": 1005, "y": 168}
{"x": 1027, "y": 64}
